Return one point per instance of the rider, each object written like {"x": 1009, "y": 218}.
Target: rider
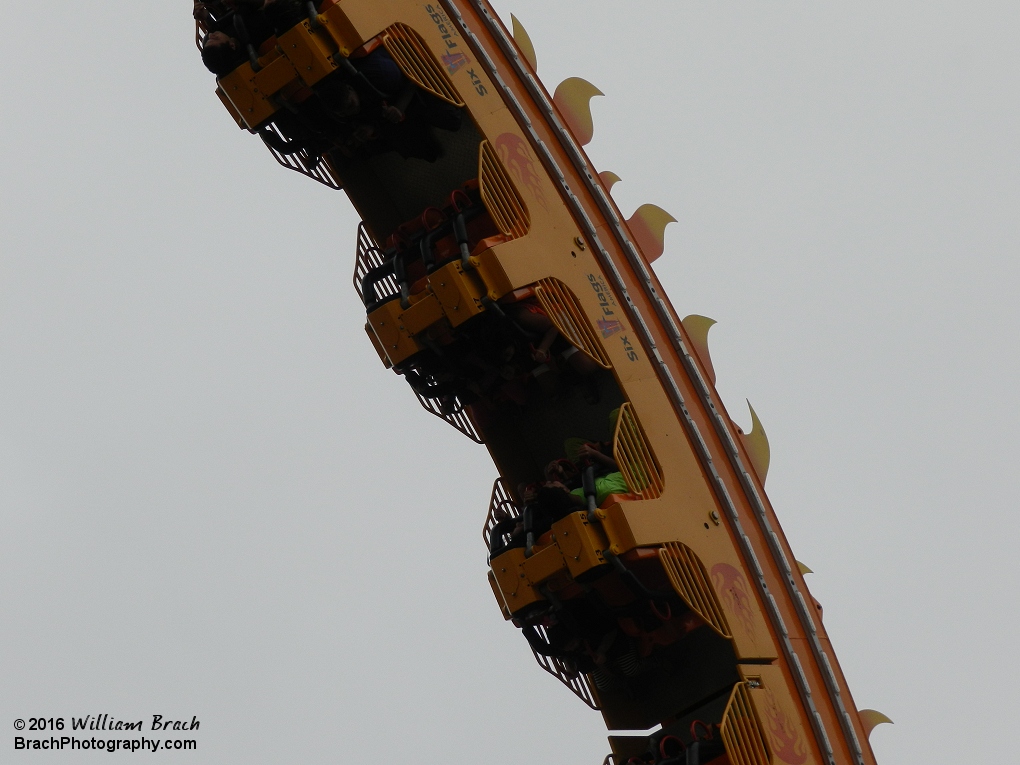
{"x": 235, "y": 31}
{"x": 382, "y": 110}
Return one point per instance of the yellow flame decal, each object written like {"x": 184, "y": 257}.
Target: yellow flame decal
{"x": 523, "y": 41}
{"x": 757, "y": 445}
{"x": 870, "y": 718}
{"x": 573, "y": 98}
{"x": 609, "y": 179}
{"x": 648, "y": 225}
{"x": 697, "y": 328}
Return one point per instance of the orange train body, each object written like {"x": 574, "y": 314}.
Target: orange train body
{"x": 503, "y": 282}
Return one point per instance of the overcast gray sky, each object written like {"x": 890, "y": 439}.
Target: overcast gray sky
{"x": 216, "y": 502}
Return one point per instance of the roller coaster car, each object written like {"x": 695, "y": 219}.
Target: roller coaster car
{"x": 635, "y": 632}
{"x": 583, "y": 609}
{"x": 296, "y": 90}
{"x": 502, "y": 282}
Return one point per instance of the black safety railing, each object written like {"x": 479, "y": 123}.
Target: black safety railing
{"x": 502, "y": 508}
{"x": 369, "y": 256}
{"x": 559, "y": 668}
{"x": 453, "y": 412}
{"x": 503, "y": 518}
{"x": 441, "y": 399}
{"x": 293, "y": 155}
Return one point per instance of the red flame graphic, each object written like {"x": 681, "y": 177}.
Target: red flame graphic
{"x": 787, "y": 743}
{"x": 731, "y": 583}
{"x": 516, "y": 157}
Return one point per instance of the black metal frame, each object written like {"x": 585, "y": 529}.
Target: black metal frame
{"x": 421, "y": 245}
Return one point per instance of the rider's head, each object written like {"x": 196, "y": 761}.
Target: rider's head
{"x": 220, "y": 53}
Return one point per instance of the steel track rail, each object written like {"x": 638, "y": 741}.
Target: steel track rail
{"x": 662, "y": 309}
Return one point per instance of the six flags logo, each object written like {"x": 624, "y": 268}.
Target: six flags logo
{"x": 454, "y": 61}
{"x": 609, "y": 327}
{"x": 514, "y": 153}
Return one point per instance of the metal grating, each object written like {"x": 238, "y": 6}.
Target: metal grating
{"x": 690, "y": 580}
{"x": 634, "y": 456}
{"x": 417, "y": 63}
{"x": 499, "y": 501}
{"x": 451, "y": 409}
{"x": 742, "y": 734}
{"x": 573, "y": 679}
{"x": 563, "y": 308}
{"x": 312, "y": 165}
{"x": 504, "y": 204}
{"x": 369, "y": 256}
